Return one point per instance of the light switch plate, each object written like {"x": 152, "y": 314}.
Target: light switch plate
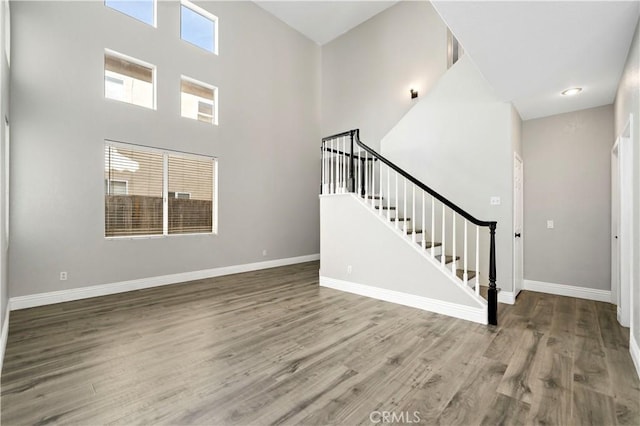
{"x": 549, "y": 224}
{"x": 495, "y": 201}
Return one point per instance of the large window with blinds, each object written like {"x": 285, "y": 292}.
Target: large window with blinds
{"x": 154, "y": 192}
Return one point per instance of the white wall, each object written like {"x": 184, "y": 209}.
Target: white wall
{"x": 368, "y": 71}
{"x": 628, "y": 103}
{"x": 380, "y": 257}
{"x": 459, "y": 140}
{"x": 267, "y": 141}
{"x": 567, "y": 179}
{"x": 4, "y": 112}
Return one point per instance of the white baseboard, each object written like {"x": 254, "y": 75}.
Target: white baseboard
{"x": 634, "y": 349}
{"x": 468, "y": 313}
{"x": 33, "y": 300}
{"x": 5, "y": 334}
{"x": 506, "y": 297}
{"x": 568, "y": 290}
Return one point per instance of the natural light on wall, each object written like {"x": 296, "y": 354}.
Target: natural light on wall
{"x": 129, "y": 80}
{"x": 198, "y": 100}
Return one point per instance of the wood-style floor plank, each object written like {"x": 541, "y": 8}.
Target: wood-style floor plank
{"x": 272, "y": 347}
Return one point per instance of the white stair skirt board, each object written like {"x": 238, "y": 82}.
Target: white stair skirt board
{"x": 568, "y": 290}
{"x": 5, "y": 335}
{"x": 464, "y": 312}
{"x": 30, "y": 301}
{"x": 634, "y": 349}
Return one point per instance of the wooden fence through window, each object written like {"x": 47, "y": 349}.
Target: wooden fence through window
{"x": 131, "y": 215}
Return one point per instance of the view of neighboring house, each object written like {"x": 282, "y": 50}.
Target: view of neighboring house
{"x": 447, "y": 193}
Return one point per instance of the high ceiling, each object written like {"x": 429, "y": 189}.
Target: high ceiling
{"x": 322, "y": 21}
{"x": 531, "y": 51}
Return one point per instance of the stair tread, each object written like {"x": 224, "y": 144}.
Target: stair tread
{"x": 427, "y": 244}
{"x": 470, "y": 275}
{"x": 374, "y": 197}
{"x": 400, "y": 219}
{"x": 447, "y": 258}
{"x": 418, "y": 231}
{"x": 385, "y": 208}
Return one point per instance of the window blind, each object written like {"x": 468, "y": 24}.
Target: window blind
{"x": 139, "y": 211}
{"x": 193, "y": 176}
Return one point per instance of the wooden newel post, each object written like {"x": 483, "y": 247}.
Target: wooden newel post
{"x": 493, "y": 291}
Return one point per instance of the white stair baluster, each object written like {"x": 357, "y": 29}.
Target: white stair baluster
{"x": 388, "y": 193}
{"x": 454, "y": 265}
{"x": 442, "y": 256}
{"x": 357, "y": 188}
{"x": 338, "y": 166}
{"x": 397, "y": 200}
{"x": 381, "y": 203}
{"x": 424, "y": 228}
{"x": 433, "y": 226}
{"x": 465, "y": 274}
{"x": 413, "y": 212}
{"x": 344, "y": 164}
{"x": 477, "y": 260}
{"x": 330, "y": 158}
{"x": 366, "y": 177}
{"x": 323, "y": 171}
{"x": 373, "y": 182}
{"x": 404, "y": 207}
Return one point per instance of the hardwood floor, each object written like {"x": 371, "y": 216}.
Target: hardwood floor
{"x": 271, "y": 347}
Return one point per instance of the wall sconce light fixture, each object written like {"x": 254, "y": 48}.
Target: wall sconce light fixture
{"x": 414, "y": 93}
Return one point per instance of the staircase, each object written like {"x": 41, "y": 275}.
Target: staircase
{"x": 447, "y": 236}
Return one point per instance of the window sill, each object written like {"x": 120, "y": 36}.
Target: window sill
{"x": 156, "y": 237}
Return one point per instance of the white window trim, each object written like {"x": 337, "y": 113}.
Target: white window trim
{"x": 6, "y": 17}
{"x": 210, "y": 16}
{"x": 208, "y": 86}
{"x": 154, "y": 78}
{"x": 155, "y": 13}
{"x": 165, "y": 188}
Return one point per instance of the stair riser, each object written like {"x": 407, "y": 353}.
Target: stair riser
{"x": 436, "y": 250}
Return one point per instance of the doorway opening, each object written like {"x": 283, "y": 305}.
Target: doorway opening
{"x": 622, "y": 224}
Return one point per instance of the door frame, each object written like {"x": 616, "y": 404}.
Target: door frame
{"x": 516, "y": 288}
{"x": 622, "y": 224}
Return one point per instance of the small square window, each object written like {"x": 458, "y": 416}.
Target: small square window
{"x": 116, "y": 187}
{"x": 198, "y": 100}
{"x": 183, "y": 195}
{"x": 128, "y": 80}
{"x": 198, "y": 27}
{"x": 142, "y": 10}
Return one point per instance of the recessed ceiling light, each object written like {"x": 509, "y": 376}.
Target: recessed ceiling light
{"x": 572, "y": 91}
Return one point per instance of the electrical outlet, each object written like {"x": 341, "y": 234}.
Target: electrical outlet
{"x": 63, "y": 276}
{"x": 349, "y": 269}
{"x": 550, "y": 224}
{"x": 264, "y": 252}
{"x": 494, "y": 201}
